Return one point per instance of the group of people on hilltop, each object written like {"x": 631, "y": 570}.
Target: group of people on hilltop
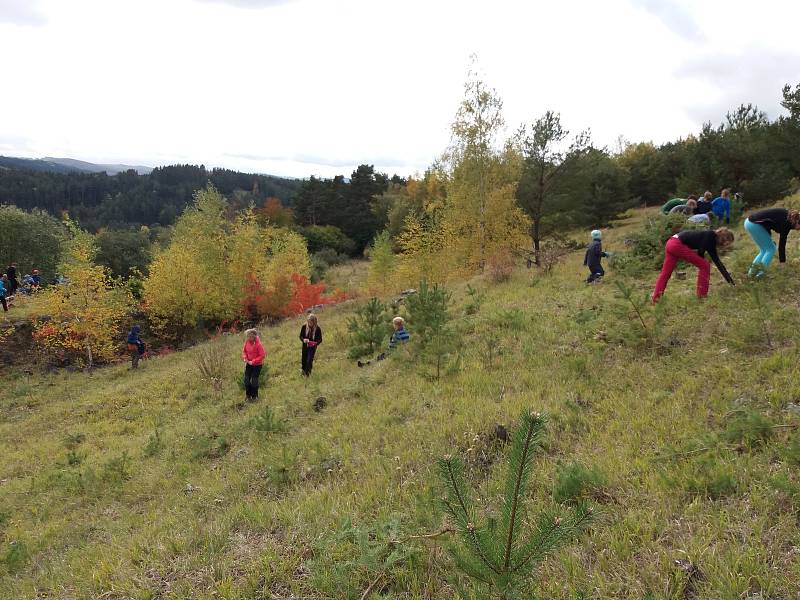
{"x": 692, "y": 245}
{"x": 253, "y": 352}
{"x": 10, "y": 285}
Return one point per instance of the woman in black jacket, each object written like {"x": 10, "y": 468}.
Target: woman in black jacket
{"x": 759, "y": 225}
{"x": 311, "y": 336}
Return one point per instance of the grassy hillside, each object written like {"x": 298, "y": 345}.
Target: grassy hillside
{"x": 148, "y": 484}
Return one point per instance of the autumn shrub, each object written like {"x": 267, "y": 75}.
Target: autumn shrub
{"x": 500, "y": 266}
{"x": 85, "y": 314}
{"x": 215, "y": 269}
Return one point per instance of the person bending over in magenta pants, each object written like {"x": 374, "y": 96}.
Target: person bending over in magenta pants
{"x": 759, "y": 225}
{"x": 691, "y": 246}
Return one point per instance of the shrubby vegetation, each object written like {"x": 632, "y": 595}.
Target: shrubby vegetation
{"x": 216, "y": 270}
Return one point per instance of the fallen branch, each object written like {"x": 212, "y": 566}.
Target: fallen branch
{"x": 423, "y": 536}
{"x": 371, "y": 586}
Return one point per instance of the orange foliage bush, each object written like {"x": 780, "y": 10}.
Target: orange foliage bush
{"x": 289, "y": 297}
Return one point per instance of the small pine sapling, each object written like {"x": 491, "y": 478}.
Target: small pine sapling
{"x": 649, "y": 318}
{"x": 473, "y": 305}
{"x": 368, "y": 328}
{"x": 495, "y": 553}
{"x": 429, "y": 315}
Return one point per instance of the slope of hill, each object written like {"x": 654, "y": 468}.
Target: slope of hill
{"x": 34, "y": 164}
{"x": 150, "y": 484}
{"x": 87, "y": 167}
{"x": 67, "y": 165}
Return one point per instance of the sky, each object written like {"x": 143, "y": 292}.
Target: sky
{"x": 316, "y": 87}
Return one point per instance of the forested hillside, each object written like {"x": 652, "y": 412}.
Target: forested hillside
{"x": 128, "y": 199}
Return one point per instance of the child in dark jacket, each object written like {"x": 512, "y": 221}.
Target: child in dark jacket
{"x": 135, "y": 346}
{"x": 593, "y": 255}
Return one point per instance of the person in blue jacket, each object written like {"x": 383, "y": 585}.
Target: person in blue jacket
{"x": 721, "y": 206}
{"x": 593, "y": 255}
{"x": 3, "y": 293}
{"x": 135, "y": 346}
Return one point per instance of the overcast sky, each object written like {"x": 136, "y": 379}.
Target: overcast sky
{"x": 300, "y": 87}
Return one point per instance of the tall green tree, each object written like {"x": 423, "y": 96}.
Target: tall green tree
{"x": 547, "y": 165}
{"x": 32, "y": 239}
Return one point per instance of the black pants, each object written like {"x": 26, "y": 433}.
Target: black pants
{"x": 14, "y": 285}
{"x": 595, "y": 273}
{"x": 4, "y": 303}
{"x": 251, "y": 373}
{"x": 307, "y": 360}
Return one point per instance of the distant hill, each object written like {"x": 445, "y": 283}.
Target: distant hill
{"x": 88, "y": 167}
{"x": 51, "y": 164}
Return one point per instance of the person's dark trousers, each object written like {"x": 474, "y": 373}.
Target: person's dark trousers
{"x": 14, "y": 285}
{"x": 307, "y": 360}
{"x": 135, "y": 358}
{"x": 595, "y": 274}
{"x": 251, "y": 373}
{"x": 4, "y": 303}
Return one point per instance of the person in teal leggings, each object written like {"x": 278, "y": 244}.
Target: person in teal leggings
{"x": 759, "y": 226}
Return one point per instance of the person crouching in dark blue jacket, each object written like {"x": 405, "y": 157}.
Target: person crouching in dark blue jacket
{"x": 593, "y": 255}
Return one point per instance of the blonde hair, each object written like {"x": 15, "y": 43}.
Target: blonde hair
{"x": 691, "y": 202}
{"x": 399, "y": 320}
{"x": 794, "y": 218}
{"x": 725, "y": 193}
{"x": 724, "y": 236}
{"x": 311, "y": 324}
{"x": 708, "y": 195}
{"x": 250, "y": 332}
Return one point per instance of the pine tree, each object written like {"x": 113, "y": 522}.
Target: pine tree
{"x": 429, "y": 315}
{"x": 495, "y": 553}
{"x": 368, "y": 328}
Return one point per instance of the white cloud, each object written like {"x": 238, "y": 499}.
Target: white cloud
{"x": 316, "y": 86}
{"x": 676, "y": 17}
{"x": 753, "y": 74}
{"x": 21, "y": 12}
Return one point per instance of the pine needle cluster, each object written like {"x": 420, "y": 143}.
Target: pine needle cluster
{"x": 502, "y": 555}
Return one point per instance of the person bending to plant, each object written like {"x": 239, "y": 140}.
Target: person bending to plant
{"x": 691, "y": 246}
{"x": 253, "y": 355}
{"x": 759, "y": 226}
{"x": 311, "y": 336}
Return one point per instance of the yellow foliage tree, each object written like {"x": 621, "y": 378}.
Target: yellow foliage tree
{"x": 86, "y": 312}
{"x": 211, "y": 264}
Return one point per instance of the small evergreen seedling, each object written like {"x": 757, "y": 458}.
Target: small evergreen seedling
{"x": 473, "y": 305}
{"x": 267, "y": 422}
{"x": 368, "y": 328}
{"x": 496, "y": 553}
{"x": 429, "y": 315}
